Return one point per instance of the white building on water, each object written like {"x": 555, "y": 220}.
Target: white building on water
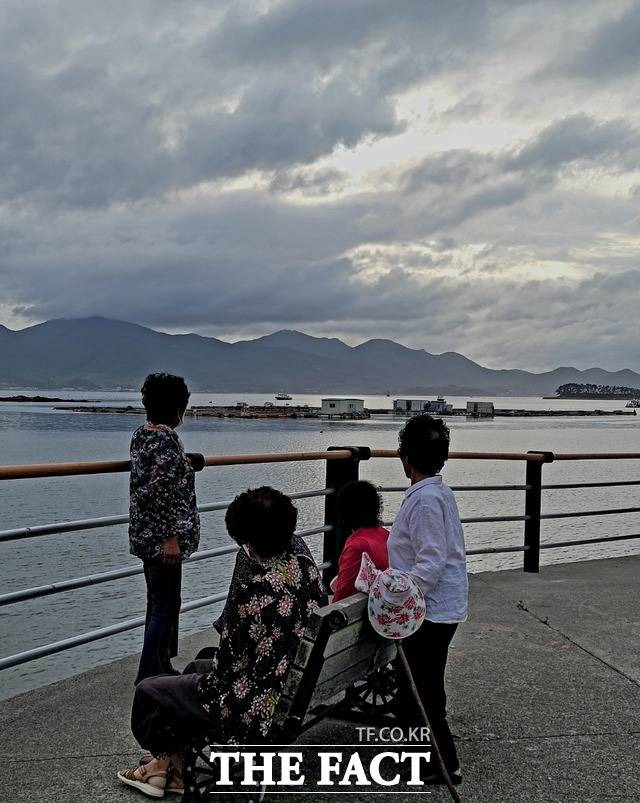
{"x": 481, "y": 409}
{"x": 343, "y": 408}
{"x": 413, "y": 406}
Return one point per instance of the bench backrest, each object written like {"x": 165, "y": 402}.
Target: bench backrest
{"x": 338, "y": 648}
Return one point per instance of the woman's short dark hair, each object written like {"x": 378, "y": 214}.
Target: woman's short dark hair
{"x": 264, "y": 518}
{"x": 359, "y": 505}
{"x": 424, "y": 442}
{"x": 163, "y": 395}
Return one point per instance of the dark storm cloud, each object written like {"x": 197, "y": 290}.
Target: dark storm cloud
{"x": 92, "y": 129}
{"x": 327, "y": 33}
{"x": 611, "y": 52}
{"x": 124, "y": 124}
{"x": 578, "y": 138}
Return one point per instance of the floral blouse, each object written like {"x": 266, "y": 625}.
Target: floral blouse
{"x": 162, "y": 494}
{"x": 243, "y": 571}
{"x": 273, "y": 605}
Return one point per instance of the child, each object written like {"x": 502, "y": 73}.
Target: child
{"x": 427, "y": 541}
{"x": 359, "y": 508}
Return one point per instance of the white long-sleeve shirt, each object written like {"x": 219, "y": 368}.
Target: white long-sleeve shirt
{"x": 427, "y": 541}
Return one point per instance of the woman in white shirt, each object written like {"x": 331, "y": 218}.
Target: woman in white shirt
{"x": 427, "y": 541}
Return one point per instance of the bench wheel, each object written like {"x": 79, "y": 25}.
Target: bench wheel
{"x": 200, "y": 776}
{"x": 376, "y": 694}
{"x": 197, "y": 773}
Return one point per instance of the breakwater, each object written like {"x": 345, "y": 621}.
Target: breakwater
{"x": 305, "y": 412}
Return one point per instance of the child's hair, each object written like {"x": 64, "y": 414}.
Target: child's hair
{"x": 264, "y": 518}
{"x": 163, "y": 395}
{"x": 424, "y": 442}
{"x": 359, "y": 505}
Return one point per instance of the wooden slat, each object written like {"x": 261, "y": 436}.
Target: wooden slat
{"x": 330, "y": 688}
{"x": 354, "y": 654}
{"x": 337, "y": 684}
{"x": 352, "y": 608}
{"x": 337, "y": 649}
{"x": 301, "y": 683}
{"x": 347, "y": 636}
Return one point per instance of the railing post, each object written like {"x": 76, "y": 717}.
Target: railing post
{"x": 339, "y": 473}
{"x": 532, "y": 507}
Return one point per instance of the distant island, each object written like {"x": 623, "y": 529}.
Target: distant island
{"x": 38, "y": 399}
{"x": 575, "y": 390}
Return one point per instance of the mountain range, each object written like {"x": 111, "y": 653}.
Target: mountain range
{"x": 99, "y": 353}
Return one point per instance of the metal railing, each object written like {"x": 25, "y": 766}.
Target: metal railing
{"x": 342, "y": 466}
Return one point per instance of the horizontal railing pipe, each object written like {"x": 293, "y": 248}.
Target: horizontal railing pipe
{"x": 274, "y": 457}
{"x": 38, "y": 470}
{"x": 103, "y": 632}
{"x": 404, "y": 488}
{"x": 583, "y": 541}
{"x": 35, "y": 470}
{"x": 478, "y": 520}
{"x": 37, "y": 530}
{"x": 96, "y": 635}
{"x": 525, "y": 456}
{"x": 491, "y": 519}
{"x": 597, "y": 456}
{"x": 109, "y": 521}
{"x": 555, "y": 486}
{"x": 578, "y": 513}
{"x": 530, "y": 548}
{"x": 102, "y": 577}
{"x": 126, "y": 571}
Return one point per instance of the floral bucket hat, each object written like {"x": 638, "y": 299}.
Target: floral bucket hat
{"x": 396, "y": 604}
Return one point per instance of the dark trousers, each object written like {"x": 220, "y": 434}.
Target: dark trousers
{"x": 167, "y": 714}
{"x": 426, "y": 653}
{"x": 163, "y": 612}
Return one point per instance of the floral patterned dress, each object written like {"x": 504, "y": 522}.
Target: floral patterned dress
{"x": 162, "y": 494}
{"x": 273, "y": 604}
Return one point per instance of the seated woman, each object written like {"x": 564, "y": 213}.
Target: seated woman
{"x": 360, "y": 509}
{"x": 235, "y": 702}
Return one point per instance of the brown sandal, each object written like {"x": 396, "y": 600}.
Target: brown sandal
{"x": 142, "y": 780}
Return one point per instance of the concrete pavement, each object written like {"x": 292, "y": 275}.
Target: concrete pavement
{"x": 544, "y": 686}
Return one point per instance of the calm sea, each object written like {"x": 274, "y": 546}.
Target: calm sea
{"x": 38, "y": 433}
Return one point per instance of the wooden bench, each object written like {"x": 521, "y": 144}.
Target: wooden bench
{"x": 338, "y": 649}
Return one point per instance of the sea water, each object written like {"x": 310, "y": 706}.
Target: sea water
{"x": 32, "y": 433}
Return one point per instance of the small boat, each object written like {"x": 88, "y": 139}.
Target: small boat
{"x": 282, "y": 396}
{"x": 635, "y": 403}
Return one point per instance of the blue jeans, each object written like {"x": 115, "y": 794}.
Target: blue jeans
{"x": 163, "y": 612}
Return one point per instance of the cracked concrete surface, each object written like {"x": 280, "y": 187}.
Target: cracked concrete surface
{"x": 544, "y": 687}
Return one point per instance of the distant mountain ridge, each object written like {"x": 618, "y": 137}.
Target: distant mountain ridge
{"x": 100, "y": 353}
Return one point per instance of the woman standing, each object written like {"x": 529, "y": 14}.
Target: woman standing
{"x": 164, "y": 524}
{"x": 427, "y": 541}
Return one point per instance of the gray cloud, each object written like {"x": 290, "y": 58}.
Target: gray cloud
{"x": 323, "y": 181}
{"x": 575, "y": 139}
{"x": 124, "y": 126}
{"x": 611, "y": 51}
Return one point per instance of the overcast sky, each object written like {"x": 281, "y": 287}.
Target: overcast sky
{"x": 456, "y": 176}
